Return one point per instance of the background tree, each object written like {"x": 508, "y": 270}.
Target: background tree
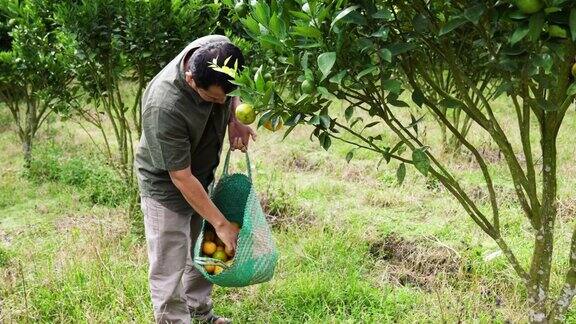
{"x": 120, "y": 41}
{"x": 154, "y": 32}
{"x": 35, "y": 75}
{"x": 373, "y": 56}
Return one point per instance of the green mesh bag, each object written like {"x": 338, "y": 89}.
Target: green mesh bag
{"x": 256, "y": 255}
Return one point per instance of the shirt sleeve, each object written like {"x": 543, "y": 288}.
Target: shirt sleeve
{"x": 167, "y": 138}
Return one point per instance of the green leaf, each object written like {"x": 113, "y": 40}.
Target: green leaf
{"x": 544, "y": 61}
{"x": 288, "y": 131}
{"x": 251, "y": 26}
{"x": 270, "y": 40}
{"x": 349, "y": 156}
{"x": 326, "y": 62}
{"x": 259, "y": 79}
{"x": 355, "y": 121}
{"x": 315, "y": 120}
{"x": 325, "y": 121}
{"x": 386, "y": 55}
{"x": 325, "y": 140}
{"x": 277, "y": 26}
{"x": 450, "y": 103}
{"x": 308, "y": 74}
{"x": 418, "y": 97}
{"x": 421, "y": 161}
{"x": 262, "y": 12}
{"x": 385, "y": 14}
{"x": 267, "y": 96}
{"x": 451, "y": 25}
{"x": 293, "y": 120}
{"x": 398, "y": 103}
{"x": 381, "y": 33}
{"x": 474, "y": 13}
{"x": 401, "y": 48}
{"x": 307, "y": 31}
{"x": 536, "y": 25}
{"x": 372, "y": 124}
{"x": 401, "y": 173}
{"x": 573, "y": 23}
{"x": 348, "y": 112}
{"x": 366, "y": 71}
{"x": 304, "y": 61}
{"x": 393, "y": 86}
{"x": 571, "y": 90}
{"x": 343, "y": 14}
{"x": 519, "y": 34}
{"x": 326, "y": 94}
{"x": 299, "y": 14}
{"x": 338, "y": 77}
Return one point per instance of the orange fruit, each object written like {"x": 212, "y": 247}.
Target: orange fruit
{"x": 270, "y": 126}
{"x": 529, "y": 6}
{"x": 245, "y": 114}
{"x": 209, "y": 247}
{"x": 209, "y": 268}
{"x": 217, "y": 270}
{"x": 220, "y": 255}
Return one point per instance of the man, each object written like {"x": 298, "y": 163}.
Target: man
{"x": 184, "y": 118}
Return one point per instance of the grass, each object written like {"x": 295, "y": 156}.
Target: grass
{"x": 355, "y": 246}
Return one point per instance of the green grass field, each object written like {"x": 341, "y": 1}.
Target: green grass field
{"x": 355, "y": 247}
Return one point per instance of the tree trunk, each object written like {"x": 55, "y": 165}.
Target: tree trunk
{"x": 538, "y": 286}
{"x": 29, "y": 131}
{"x": 27, "y": 150}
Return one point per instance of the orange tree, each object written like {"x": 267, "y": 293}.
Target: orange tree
{"x": 372, "y": 55}
{"x": 117, "y": 41}
{"x": 35, "y": 76}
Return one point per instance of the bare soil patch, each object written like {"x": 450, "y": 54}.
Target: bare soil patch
{"x": 415, "y": 262}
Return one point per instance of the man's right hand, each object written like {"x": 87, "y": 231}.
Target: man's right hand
{"x": 228, "y": 234}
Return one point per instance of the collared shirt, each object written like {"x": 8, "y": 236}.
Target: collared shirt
{"x": 179, "y": 130}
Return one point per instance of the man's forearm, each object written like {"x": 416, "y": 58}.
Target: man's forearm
{"x": 196, "y": 196}
{"x": 234, "y": 102}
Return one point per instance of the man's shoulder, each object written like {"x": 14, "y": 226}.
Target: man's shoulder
{"x": 161, "y": 92}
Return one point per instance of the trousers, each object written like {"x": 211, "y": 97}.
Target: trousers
{"x": 178, "y": 290}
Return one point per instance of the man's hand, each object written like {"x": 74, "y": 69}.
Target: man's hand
{"x": 239, "y": 135}
{"x": 228, "y": 234}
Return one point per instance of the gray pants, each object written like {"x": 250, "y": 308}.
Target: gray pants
{"x": 178, "y": 290}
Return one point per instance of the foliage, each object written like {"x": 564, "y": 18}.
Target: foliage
{"x": 96, "y": 182}
{"x": 373, "y": 55}
{"x": 116, "y": 41}
{"x": 35, "y": 70}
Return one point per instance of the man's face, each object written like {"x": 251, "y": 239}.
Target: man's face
{"x": 214, "y": 93}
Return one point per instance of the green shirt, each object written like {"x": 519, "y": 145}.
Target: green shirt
{"x": 179, "y": 130}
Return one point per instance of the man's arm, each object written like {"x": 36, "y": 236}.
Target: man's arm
{"x": 197, "y": 197}
{"x": 238, "y": 133}
{"x": 234, "y": 102}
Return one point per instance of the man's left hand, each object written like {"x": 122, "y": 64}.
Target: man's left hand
{"x": 239, "y": 135}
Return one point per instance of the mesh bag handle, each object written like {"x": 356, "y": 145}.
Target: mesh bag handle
{"x": 227, "y": 164}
